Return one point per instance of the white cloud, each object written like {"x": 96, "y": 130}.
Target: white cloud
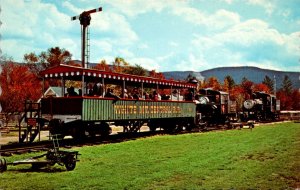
{"x": 192, "y": 15}
{"x": 221, "y": 19}
{"x": 102, "y": 45}
{"x": 133, "y": 8}
{"x": 227, "y": 1}
{"x": 125, "y": 53}
{"x": 250, "y": 43}
{"x": 143, "y": 46}
{"x": 146, "y": 63}
{"x": 173, "y": 44}
{"x": 33, "y": 23}
{"x": 250, "y": 32}
{"x": 266, "y": 4}
{"x": 291, "y": 42}
{"x": 72, "y": 8}
{"x": 164, "y": 58}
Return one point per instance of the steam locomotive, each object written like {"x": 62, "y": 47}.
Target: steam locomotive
{"x": 214, "y": 107}
{"x": 261, "y": 107}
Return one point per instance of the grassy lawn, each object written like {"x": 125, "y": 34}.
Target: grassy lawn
{"x": 266, "y": 158}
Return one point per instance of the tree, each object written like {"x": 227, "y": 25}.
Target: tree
{"x": 285, "y": 101}
{"x": 230, "y": 81}
{"x": 56, "y": 56}
{"x": 287, "y": 85}
{"x": 261, "y": 87}
{"x": 31, "y": 61}
{"x": 225, "y": 86}
{"x": 119, "y": 65}
{"x": 154, "y": 74}
{"x": 102, "y": 66}
{"x": 53, "y": 57}
{"x": 18, "y": 84}
{"x": 295, "y": 99}
{"x": 237, "y": 94}
{"x": 247, "y": 87}
{"x": 269, "y": 82}
{"x": 213, "y": 82}
{"x": 288, "y": 99}
{"x": 135, "y": 70}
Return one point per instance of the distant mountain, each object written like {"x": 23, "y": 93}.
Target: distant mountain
{"x": 254, "y": 74}
{"x": 182, "y": 75}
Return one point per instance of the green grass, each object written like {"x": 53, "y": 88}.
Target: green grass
{"x": 266, "y": 158}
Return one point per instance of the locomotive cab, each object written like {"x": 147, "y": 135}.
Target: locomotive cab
{"x": 215, "y": 107}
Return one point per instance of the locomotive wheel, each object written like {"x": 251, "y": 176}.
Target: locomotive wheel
{"x": 70, "y": 162}
{"x": 3, "y": 165}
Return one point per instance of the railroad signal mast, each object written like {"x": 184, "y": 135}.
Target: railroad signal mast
{"x": 85, "y": 19}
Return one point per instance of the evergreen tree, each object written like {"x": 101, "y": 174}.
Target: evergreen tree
{"x": 287, "y": 85}
{"x": 230, "y": 81}
{"x": 269, "y": 82}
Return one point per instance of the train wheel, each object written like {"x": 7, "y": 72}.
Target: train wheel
{"x": 70, "y": 162}
{"x": 3, "y": 165}
{"x": 152, "y": 128}
{"x": 105, "y": 129}
{"x": 189, "y": 126}
{"x": 78, "y": 134}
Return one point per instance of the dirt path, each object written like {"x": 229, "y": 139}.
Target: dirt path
{"x": 12, "y": 137}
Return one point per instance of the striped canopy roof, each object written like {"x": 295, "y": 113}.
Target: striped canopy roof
{"x": 74, "y": 72}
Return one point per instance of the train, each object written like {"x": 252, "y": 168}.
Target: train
{"x": 94, "y": 108}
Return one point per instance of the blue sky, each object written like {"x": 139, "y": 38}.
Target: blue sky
{"x": 166, "y": 35}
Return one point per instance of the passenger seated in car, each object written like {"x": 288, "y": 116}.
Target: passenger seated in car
{"x": 124, "y": 94}
{"x": 71, "y": 91}
{"x": 98, "y": 89}
{"x": 146, "y": 96}
{"x": 135, "y": 94}
{"x": 110, "y": 94}
{"x": 165, "y": 97}
{"x": 189, "y": 96}
{"x": 156, "y": 96}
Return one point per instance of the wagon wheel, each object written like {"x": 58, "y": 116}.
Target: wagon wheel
{"x": 3, "y": 165}
{"x": 70, "y": 162}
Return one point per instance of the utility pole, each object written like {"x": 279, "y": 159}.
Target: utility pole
{"x": 85, "y": 19}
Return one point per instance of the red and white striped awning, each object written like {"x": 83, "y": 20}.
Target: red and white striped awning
{"x": 74, "y": 71}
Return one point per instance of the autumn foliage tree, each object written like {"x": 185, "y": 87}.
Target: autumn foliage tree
{"x": 18, "y": 84}
{"x": 103, "y": 66}
{"x": 286, "y": 95}
{"x": 211, "y": 82}
{"x": 52, "y": 57}
{"x": 135, "y": 70}
{"x": 119, "y": 65}
{"x": 261, "y": 87}
{"x": 155, "y": 74}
